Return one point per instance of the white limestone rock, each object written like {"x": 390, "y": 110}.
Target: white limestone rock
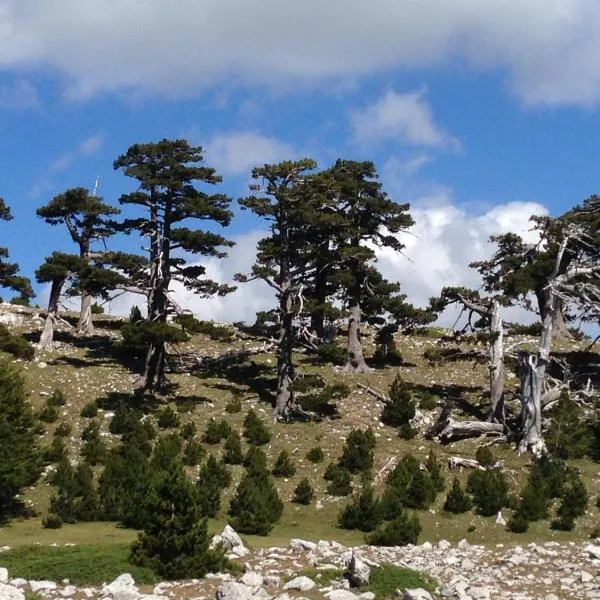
{"x": 10, "y": 592}
{"x": 233, "y": 590}
{"x": 360, "y": 573}
{"x": 302, "y": 584}
{"x": 416, "y": 594}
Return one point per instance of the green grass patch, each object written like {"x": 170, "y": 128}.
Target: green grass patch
{"x": 321, "y": 576}
{"x": 82, "y": 565}
{"x": 386, "y": 579}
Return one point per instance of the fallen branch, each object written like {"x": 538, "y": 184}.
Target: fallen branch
{"x": 376, "y": 393}
{"x": 468, "y": 463}
{"x": 465, "y": 429}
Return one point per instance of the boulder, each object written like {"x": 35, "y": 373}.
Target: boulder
{"x": 36, "y": 586}
{"x": 3, "y": 575}
{"x": 342, "y": 595}
{"x": 359, "y": 572}
{"x": 231, "y": 538}
{"x": 297, "y": 544}
{"x": 10, "y": 592}
{"x": 252, "y": 579}
{"x": 122, "y": 588}
{"x": 479, "y": 593}
{"x": 416, "y": 594}
{"x": 233, "y": 590}
{"x": 302, "y": 584}
{"x": 593, "y": 551}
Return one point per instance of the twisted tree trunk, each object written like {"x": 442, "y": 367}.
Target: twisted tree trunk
{"x": 496, "y": 364}
{"x": 47, "y": 338}
{"x": 85, "y": 326}
{"x": 285, "y": 404}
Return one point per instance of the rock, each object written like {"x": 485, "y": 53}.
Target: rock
{"x": 478, "y": 593}
{"x": 443, "y": 545}
{"x": 342, "y": 595}
{"x": 18, "y": 582}
{"x": 3, "y": 575}
{"x": 68, "y": 591}
{"x": 252, "y": 579}
{"x": 233, "y": 590}
{"x": 500, "y": 519}
{"x": 272, "y": 580}
{"x": 302, "y": 584}
{"x": 426, "y": 547}
{"x": 360, "y": 573}
{"x": 36, "y": 586}
{"x": 551, "y": 597}
{"x": 467, "y": 565}
{"x": 298, "y": 544}
{"x": 122, "y": 588}
{"x": 367, "y": 596}
{"x": 416, "y": 594}
{"x": 463, "y": 545}
{"x": 239, "y": 551}
{"x": 42, "y": 365}
{"x": 10, "y": 592}
{"x": 154, "y": 597}
{"x": 231, "y": 538}
{"x": 593, "y": 551}
{"x": 585, "y": 576}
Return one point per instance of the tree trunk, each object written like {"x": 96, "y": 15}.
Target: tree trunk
{"x": 85, "y": 326}
{"x": 47, "y": 338}
{"x": 317, "y": 318}
{"x": 560, "y": 330}
{"x": 154, "y": 371}
{"x": 356, "y": 361}
{"x": 496, "y": 365}
{"x": 285, "y": 404}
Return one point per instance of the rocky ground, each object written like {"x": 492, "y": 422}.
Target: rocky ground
{"x": 548, "y": 571}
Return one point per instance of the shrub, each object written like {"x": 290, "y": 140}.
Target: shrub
{"x": 330, "y": 471}
{"x": 332, "y": 353}
{"x": 94, "y": 449}
{"x": 214, "y": 476}
{"x": 188, "y": 431}
{"x": 175, "y": 541}
{"x": 434, "y": 469}
{"x": 191, "y": 325}
{"x": 193, "y": 453}
{"x": 484, "y": 457}
{"x": 363, "y": 513}
{"x": 255, "y": 431}
{"x": 403, "y": 530}
{"x": 63, "y": 430}
{"x": 340, "y": 483}
{"x": 489, "y": 490}
{"x": 284, "y": 467}
{"x": 457, "y": 500}
{"x": 166, "y": 452}
{"x": 234, "y": 405}
{"x": 76, "y": 498}
{"x": 57, "y": 398}
{"x": 518, "y": 524}
{"x": 324, "y": 402}
{"x": 304, "y": 492}
{"x": 16, "y": 345}
{"x": 569, "y": 435}
{"x": 574, "y": 499}
{"x": 48, "y": 414}
{"x": 216, "y": 431}
{"x": 427, "y": 401}
{"x": 56, "y": 452}
{"x": 316, "y": 455}
{"x": 233, "y": 454}
{"x": 89, "y": 411}
{"x": 386, "y": 351}
{"x": 97, "y": 309}
{"x": 357, "y": 454}
{"x": 168, "y": 418}
{"x": 135, "y": 314}
{"x": 256, "y": 505}
{"x": 401, "y": 408}
{"x": 52, "y": 521}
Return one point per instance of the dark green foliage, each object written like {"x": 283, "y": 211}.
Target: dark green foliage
{"x": 193, "y": 453}
{"x": 457, "y": 500}
{"x": 166, "y": 452}
{"x": 191, "y": 325}
{"x": 357, "y": 454}
{"x": 304, "y": 492}
{"x": 566, "y": 523}
{"x": 56, "y": 452}
{"x": 19, "y": 301}
{"x": 534, "y": 503}
{"x": 434, "y": 469}
{"x": 330, "y": 471}
{"x": 89, "y": 411}
{"x": 57, "y": 398}
{"x": 340, "y": 483}
{"x": 316, "y": 454}
{"x": 484, "y": 457}
{"x": 216, "y": 431}
{"x": 175, "y": 541}
{"x": 255, "y": 431}
{"x": 403, "y": 530}
{"x": 386, "y": 351}
{"x": 75, "y": 498}
{"x": 256, "y": 505}
{"x": 18, "y": 346}
{"x": 19, "y": 454}
{"x": 324, "y": 402}
{"x": 233, "y": 454}
{"x": 63, "y": 430}
{"x": 234, "y": 405}
{"x": 168, "y": 418}
{"x": 94, "y": 449}
{"x": 97, "y": 309}
{"x": 188, "y": 431}
{"x": 136, "y": 337}
{"x": 283, "y": 467}
{"x": 48, "y": 414}
{"x": 574, "y": 499}
{"x": 213, "y": 477}
{"x": 363, "y": 513}
{"x": 332, "y": 353}
{"x": 52, "y": 521}
{"x": 489, "y": 490}
{"x": 569, "y": 435}
{"x": 135, "y": 314}
{"x": 518, "y": 523}
{"x": 427, "y": 401}
{"x": 401, "y": 408}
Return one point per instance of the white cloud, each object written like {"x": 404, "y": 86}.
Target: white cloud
{"x": 404, "y": 118}
{"x": 549, "y": 49}
{"x": 19, "y": 95}
{"x": 444, "y": 241}
{"x": 236, "y": 152}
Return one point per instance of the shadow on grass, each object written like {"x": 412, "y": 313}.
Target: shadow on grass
{"x": 455, "y": 396}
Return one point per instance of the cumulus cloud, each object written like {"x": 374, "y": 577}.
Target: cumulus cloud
{"x": 549, "y": 49}
{"x": 401, "y": 117}
{"x": 235, "y": 153}
{"x": 444, "y": 241}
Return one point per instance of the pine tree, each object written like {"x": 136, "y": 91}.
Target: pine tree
{"x": 76, "y": 498}
{"x": 255, "y": 431}
{"x": 166, "y": 172}
{"x": 401, "y": 408}
{"x": 283, "y": 467}
{"x": 304, "y": 492}
{"x": 363, "y": 513}
{"x": 457, "y": 501}
{"x": 19, "y": 454}
{"x": 233, "y": 454}
{"x": 404, "y": 529}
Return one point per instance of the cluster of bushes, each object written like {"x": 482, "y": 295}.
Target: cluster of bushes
{"x": 401, "y": 409}
{"x": 16, "y": 345}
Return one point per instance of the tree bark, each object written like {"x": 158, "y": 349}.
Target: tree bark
{"x": 285, "y": 404}
{"x": 85, "y": 326}
{"x": 496, "y": 364}
{"x": 356, "y": 360}
{"x": 560, "y": 330}
{"x": 47, "y": 338}
{"x": 317, "y": 318}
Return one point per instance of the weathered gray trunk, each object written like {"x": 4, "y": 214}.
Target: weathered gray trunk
{"x": 85, "y": 326}
{"x": 560, "y": 329}
{"x": 356, "y": 360}
{"x": 47, "y": 338}
{"x": 496, "y": 364}
{"x": 285, "y": 404}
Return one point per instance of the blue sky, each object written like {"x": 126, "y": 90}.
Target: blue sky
{"x": 477, "y": 113}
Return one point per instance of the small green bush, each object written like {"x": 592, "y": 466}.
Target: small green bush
{"x": 16, "y": 345}
{"x": 55, "y": 452}
{"x": 188, "y": 431}
{"x": 401, "y": 408}
{"x": 216, "y": 431}
{"x": 357, "y": 454}
{"x": 363, "y": 513}
{"x": 304, "y": 492}
{"x": 316, "y": 455}
{"x": 255, "y": 431}
{"x": 57, "y": 398}
{"x": 52, "y": 521}
{"x": 283, "y": 467}
{"x": 517, "y": 524}
{"x": 569, "y": 435}
{"x": 233, "y": 454}
{"x": 403, "y": 530}
{"x": 97, "y": 309}
{"x": 489, "y": 490}
{"x": 340, "y": 483}
{"x": 234, "y": 405}
{"x": 94, "y": 449}
{"x": 434, "y": 470}
{"x": 167, "y": 418}
{"x": 484, "y": 457}
{"x": 63, "y": 430}
{"x": 332, "y": 353}
{"x": 330, "y": 471}
{"x": 427, "y": 401}
{"x": 457, "y": 500}
{"x": 48, "y": 414}
{"x": 89, "y": 411}
{"x": 193, "y": 453}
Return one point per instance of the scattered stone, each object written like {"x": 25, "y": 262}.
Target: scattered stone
{"x": 252, "y": 579}
{"x": 585, "y": 576}
{"x": 342, "y": 595}
{"x": 3, "y": 575}
{"x": 479, "y": 593}
{"x": 500, "y": 519}
{"x": 302, "y": 584}
{"x": 416, "y": 594}
{"x": 36, "y": 586}
{"x": 593, "y": 551}
{"x": 443, "y": 545}
{"x": 10, "y": 592}
{"x": 360, "y": 573}
{"x": 122, "y": 588}
{"x": 298, "y": 544}
{"x": 233, "y": 590}
{"x": 367, "y": 596}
